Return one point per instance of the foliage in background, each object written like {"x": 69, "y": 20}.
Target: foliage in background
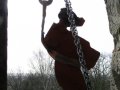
{"x": 100, "y": 74}
{"x": 42, "y": 75}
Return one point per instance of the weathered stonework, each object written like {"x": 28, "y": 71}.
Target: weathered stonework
{"x": 116, "y": 62}
{"x": 112, "y": 83}
{"x": 113, "y": 10}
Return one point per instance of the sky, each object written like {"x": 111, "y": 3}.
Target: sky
{"x": 24, "y": 28}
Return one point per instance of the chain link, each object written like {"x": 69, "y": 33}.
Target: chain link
{"x": 73, "y": 29}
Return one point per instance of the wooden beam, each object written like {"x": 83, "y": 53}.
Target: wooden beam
{"x": 3, "y": 44}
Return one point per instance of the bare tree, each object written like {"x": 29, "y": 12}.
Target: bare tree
{"x": 15, "y": 81}
{"x": 42, "y": 77}
{"x": 3, "y": 44}
{"x": 113, "y": 11}
{"x": 100, "y": 73}
{"x": 43, "y": 66}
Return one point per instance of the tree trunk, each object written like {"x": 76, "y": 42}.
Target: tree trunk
{"x": 3, "y": 44}
{"x": 113, "y": 11}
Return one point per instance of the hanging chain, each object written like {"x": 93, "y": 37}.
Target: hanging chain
{"x": 73, "y": 29}
{"x": 75, "y": 35}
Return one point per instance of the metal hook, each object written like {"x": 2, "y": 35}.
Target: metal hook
{"x": 45, "y": 2}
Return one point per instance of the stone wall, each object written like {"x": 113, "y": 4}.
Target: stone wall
{"x": 113, "y": 10}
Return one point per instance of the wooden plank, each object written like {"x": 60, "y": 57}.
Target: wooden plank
{"x": 3, "y": 44}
